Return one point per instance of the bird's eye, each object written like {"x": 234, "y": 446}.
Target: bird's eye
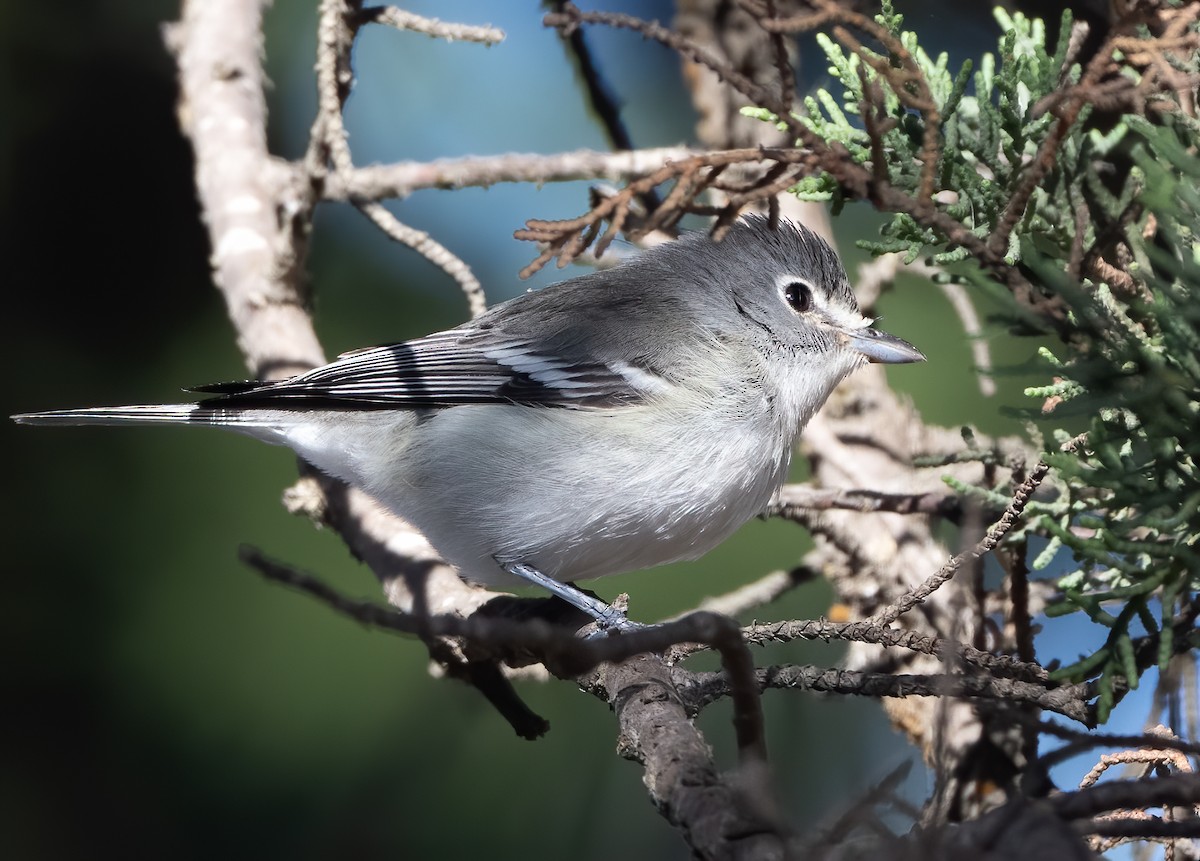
{"x": 798, "y": 295}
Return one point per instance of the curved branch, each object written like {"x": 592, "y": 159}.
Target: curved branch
{"x": 218, "y": 48}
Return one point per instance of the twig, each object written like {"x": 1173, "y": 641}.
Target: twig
{"x": 1068, "y": 700}
{"x": 1080, "y": 742}
{"x": 570, "y": 17}
{"x": 866, "y": 632}
{"x": 1143, "y": 829}
{"x": 488, "y": 678}
{"x": 801, "y": 22}
{"x": 601, "y": 99}
{"x": 779, "y": 49}
{"x": 869, "y": 632}
{"x": 335, "y": 37}
{"x": 558, "y": 647}
{"x": 883, "y": 791}
{"x": 598, "y": 91}
{"x": 908, "y": 84}
{"x": 994, "y": 536}
{"x": 562, "y": 238}
{"x": 432, "y": 250}
{"x": 405, "y": 20}
{"x": 1175, "y": 790}
{"x": 795, "y": 500}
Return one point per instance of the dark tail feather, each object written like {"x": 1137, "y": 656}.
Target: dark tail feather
{"x": 234, "y": 388}
{"x": 147, "y": 414}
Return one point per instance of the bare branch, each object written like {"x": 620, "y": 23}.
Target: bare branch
{"x": 795, "y": 501}
{"x": 993, "y": 537}
{"x": 556, "y": 646}
{"x": 217, "y": 46}
{"x": 218, "y": 49}
{"x": 432, "y": 250}
{"x": 335, "y": 31}
{"x": 1176, "y": 790}
{"x": 450, "y": 31}
{"x": 1069, "y": 700}
{"x": 870, "y": 632}
{"x": 398, "y": 180}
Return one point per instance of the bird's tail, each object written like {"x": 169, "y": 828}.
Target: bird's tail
{"x": 146, "y": 414}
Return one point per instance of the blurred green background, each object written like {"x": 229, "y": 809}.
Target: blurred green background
{"x": 159, "y": 698}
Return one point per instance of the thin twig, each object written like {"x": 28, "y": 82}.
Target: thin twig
{"x": 779, "y": 50}
{"x": 601, "y": 99}
{"x": 867, "y": 632}
{"x": 1143, "y": 829}
{"x": 1068, "y": 700}
{"x": 570, "y": 17}
{"x": 558, "y": 647}
{"x": 404, "y": 20}
{"x": 335, "y": 38}
{"x": 1080, "y": 742}
{"x": 994, "y": 536}
{"x": 432, "y": 250}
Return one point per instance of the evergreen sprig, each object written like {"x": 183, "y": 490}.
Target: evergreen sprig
{"x": 1104, "y": 216}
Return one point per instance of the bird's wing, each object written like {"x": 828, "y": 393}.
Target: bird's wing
{"x": 459, "y": 366}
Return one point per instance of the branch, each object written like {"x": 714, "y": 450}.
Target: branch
{"x": 404, "y": 20}
{"x": 218, "y": 47}
{"x": 1068, "y": 700}
{"x": 381, "y": 182}
{"x": 994, "y": 536}
{"x": 795, "y": 501}
{"x": 563, "y": 653}
{"x": 720, "y": 817}
{"x": 1175, "y": 790}
{"x": 875, "y": 634}
{"x": 329, "y": 146}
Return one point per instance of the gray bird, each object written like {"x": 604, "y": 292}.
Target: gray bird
{"x": 616, "y": 421}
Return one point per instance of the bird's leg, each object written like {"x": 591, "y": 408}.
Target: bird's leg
{"x": 608, "y": 617}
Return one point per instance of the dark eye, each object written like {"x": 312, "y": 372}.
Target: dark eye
{"x": 798, "y": 295}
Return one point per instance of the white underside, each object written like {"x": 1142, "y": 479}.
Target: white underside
{"x": 578, "y": 494}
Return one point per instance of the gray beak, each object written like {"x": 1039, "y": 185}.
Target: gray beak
{"x": 884, "y": 348}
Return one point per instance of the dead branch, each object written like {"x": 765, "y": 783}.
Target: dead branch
{"x": 400, "y": 179}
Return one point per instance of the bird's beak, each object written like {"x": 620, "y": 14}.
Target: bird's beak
{"x": 881, "y": 347}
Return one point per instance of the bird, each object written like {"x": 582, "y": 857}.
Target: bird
{"x": 611, "y": 422}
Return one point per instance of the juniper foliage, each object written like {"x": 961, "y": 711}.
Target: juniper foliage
{"x": 1086, "y": 176}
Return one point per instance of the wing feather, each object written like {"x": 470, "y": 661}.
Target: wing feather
{"x": 460, "y": 366}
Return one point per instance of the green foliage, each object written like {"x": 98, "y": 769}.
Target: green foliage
{"x": 1125, "y": 190}
{"x": 992, "y": 134}
{"x": 1134, "y": 488}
